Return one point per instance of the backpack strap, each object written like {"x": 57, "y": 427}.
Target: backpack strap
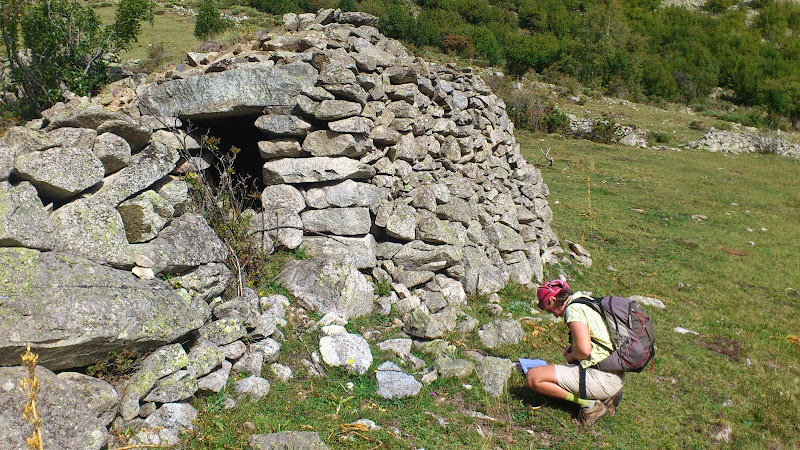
{"x": 593, "y": 302}
{"x": 581, "y": 382}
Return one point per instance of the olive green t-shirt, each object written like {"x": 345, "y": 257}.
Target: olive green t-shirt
{"x": 597, "y": 329}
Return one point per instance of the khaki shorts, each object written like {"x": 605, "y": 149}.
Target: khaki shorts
{"x": 599, "y": 385}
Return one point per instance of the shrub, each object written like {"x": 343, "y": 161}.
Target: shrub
{"x": 208, "y": 21}
{"x": 556, "y": 121}
{"x": 157, "y": 56}
{"x": 661, "y": 137}
{"x": 697, "y": 125}
{"x": 457, "y": 42}
{"x": 348, "y": 5}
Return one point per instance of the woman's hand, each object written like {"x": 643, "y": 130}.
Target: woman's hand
{"x": 567, "y": 355}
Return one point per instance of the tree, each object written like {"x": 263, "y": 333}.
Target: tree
{"x": 57, "y": 44}
{"x": 208, "y": 21}
{"x": 782, "y": 97}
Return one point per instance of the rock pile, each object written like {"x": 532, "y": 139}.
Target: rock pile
{"x": 385, "y": 168}
{"x": 623, "y": 134}
{"x": 734, "y": 142}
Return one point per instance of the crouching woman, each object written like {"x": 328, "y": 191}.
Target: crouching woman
{"x": 595, "y": 391}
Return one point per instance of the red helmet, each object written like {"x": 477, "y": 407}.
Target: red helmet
{"x": 550, "y": 290}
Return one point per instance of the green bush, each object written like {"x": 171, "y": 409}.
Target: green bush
{"x": 697, "y": 125}
{"x": 77, "y": 59}
{"x": 556, "y": 121}
{"x": 661, "y": 137}
{"x": 208, "y": 21}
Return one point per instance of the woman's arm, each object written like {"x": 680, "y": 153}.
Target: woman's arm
{"x": 581, "y": 342}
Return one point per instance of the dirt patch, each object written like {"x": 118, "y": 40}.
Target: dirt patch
{"x": 735, "y": 252}
{"x": 724, "y": 346}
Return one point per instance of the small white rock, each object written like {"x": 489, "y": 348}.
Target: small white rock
{"x": 333, "y": 330}
{"x": 682, "y": 330}
{"x": 144, "y": 273}
{"x": 143, "y": 261}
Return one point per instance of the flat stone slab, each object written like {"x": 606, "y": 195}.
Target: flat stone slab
{"x": 235, "y": 92}
{"x": 286, "y": 440}
{"x": 314, "y": 170}
{"x": 73, "y": 312}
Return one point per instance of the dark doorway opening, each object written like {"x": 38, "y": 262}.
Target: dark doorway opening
{"x": 241, "y": 133}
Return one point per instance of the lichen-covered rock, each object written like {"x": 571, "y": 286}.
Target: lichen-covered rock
{"x": 314, "y": 170}
{"x": 92, "y": 230}
{"x": 286, "y": 440}
{"x": 494, "y": 373}
{"x": 23, "y": 219}
{"x": 186, "y": 242}
{"x": 70, "y": 419}
{"x": 337, "y": 221}
{"x": 204, "y": 356}
{"x": 252, "y": 387}
{"x": 500, "y": 332}
{"x": 20, "y": 141}
{"x": 216, "y": 380}
{"x": 73, "y": 311}
{"x": 223, "y": 331}
{"x": 144, "y": 216}
{"x": 350, "y": 351}
{"x": 453, "y": 368}
{"x": 239, "y": 91}
{"x": 207, "y": 281}
{"x": 145, "y": 168}
{"x": 164, "y": 426}
{"x": 173, "y": 388}
{"x": 60, "y": 173}
{"x": 114, "y": 152}
{"x": 359, "y": 250}
{"x": 394, "y": 383}
{"x": 99, "y": 396}
{"x": 328, "y": 284}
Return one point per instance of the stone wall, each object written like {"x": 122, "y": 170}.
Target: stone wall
{"x": 384, "y": 167}
{"x": 735, "y": 142}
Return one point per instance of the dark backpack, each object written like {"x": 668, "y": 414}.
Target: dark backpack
{"x": 631, "y": 332}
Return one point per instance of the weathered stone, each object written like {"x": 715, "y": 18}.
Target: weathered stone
{"x": 356, "y": 125}
{"x": 185, "y": 243}
{"x": 359, "y": 250}
{"x": 69, "y": 137}
{"x": 99, "y": 396}
{"x": 216, "y": 380}
{"x": 204, "y": 356}
{"x": 328, "y": 285}
{"x": 177, "y": 140}
{"x": 60, "y": 173}
{"x": 144, "y": 216}
{"x": 223, "y": 331}
{"x": 240, "y": 91}
{"x": 250, "y": 363}
{"x": 206, "y": 281}
{"x": 113, "y": 151}
{"x": 345, "y": 194}
{"x": 417, "y": 254}
{"x": 481, "y": 276}
{"x": 500, "y": 332}
{"x": 330, "y": 143}
{"x": 286, "y": 440}
{"x": 173, "y": 388}
{"x": 164, "y": 426}
{"x": 314, "y": 170}
{"x": 282, "y": 125}
{"x": 336, "y": 109}
{"x": 282, "y": 196}
{"x": 494, "y": 372}
{"x": 69, "y": 417}
{"x": 394, "y": 383}
{"x": 136, "y": 134}
{"x": 282, "y": 225}
{"x": 23, "y": 219}
{"x": 337, "y": 221}
{"x": 279, "y": 148}
{"x": 251, "y": 387}
{"x": 423, "y": 324}
{"x": 383, "y": 135}
{"x": 350, "y": 351}
{"x": 43, "y": 288}
{"x": 402, "y": 223}
{"x": 146, "y": 167}
{"x": 92, "y": 230}
{"x": 453, "y": 368}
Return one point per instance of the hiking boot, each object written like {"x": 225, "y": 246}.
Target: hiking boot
{"x": 612, "y": 402}
{"x": 588, "y": 416}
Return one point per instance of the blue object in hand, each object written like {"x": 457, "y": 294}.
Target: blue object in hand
{"x": 528, "y": 364}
